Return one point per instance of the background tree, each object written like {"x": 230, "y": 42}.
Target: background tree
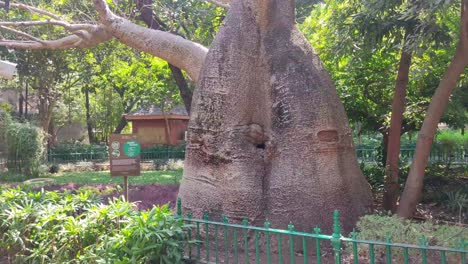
{"x": 368, "y": 38}
{"x": 414, "y": 184}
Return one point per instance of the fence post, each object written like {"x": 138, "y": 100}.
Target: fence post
{"x": 179, "y": 207}
{"x": 336, "y": 237}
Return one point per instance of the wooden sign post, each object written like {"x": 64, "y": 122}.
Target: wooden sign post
{"x": 124, "y": 153}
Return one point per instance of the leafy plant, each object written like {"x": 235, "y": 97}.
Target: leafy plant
{"x": 457, "y": 201}
{"x": 25, "y": 147}
{"x": 51, "y": 227}
{"x": 398, "y": 230}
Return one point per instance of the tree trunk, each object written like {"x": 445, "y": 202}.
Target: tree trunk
{"x": 152, "y": 22}
{"x": 45, "y": 107}
{"x": 268, "y": 136}
{"x": 26, "y": 101}
{"x": 89, "y": 123}
{"x": 414, "y": 183}
{"x": 392, "y": 188}
{"x": 122, "y": 124}
{"x": 184, "y": 89}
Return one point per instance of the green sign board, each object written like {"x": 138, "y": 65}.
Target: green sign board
{"x": 131, "y": 149}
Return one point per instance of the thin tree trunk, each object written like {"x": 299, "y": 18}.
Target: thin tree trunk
{"x": 167, "y": 127}
{"x": 153, "y": 22}
{"x": 184, "y": 89}
{"x": 89, "y": 124}
{"x": 123, "y": 122}
{"x": 414, "y": 183}
{"x": 392, "y": 187}
{"x": 26, "y": 101}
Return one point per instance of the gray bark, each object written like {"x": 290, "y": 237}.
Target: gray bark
{"x": 268, "y": 136}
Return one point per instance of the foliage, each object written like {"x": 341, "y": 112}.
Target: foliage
{"x": 381, "y": 228}
{"x": 458, "y": 201}
{"x": 54, "y": 168}
{"x": 360, "y": 43}
{"x": 25, "y": 147}
{"x": 51, "y": 227}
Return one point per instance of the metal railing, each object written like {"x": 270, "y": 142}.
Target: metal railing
{"x": 368, "y": 155}
{"x": 406, "y": 155}
{"x": 224, "y": 242}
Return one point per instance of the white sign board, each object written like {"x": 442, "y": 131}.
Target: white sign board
{"x": 7, "y": 69}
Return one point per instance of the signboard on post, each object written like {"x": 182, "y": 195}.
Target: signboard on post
{"x": 124, "y": 153}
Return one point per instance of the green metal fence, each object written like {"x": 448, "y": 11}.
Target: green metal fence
{"x": 101, "y": 156}
{"x": 224, "y": 242}
{"x": 364, "y": 155}
{"x": 406, "y": 155}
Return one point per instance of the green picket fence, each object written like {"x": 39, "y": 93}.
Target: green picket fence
{"x": 224, "y": 242}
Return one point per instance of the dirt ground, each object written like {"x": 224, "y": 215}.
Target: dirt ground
{"x": 145, "y": 196}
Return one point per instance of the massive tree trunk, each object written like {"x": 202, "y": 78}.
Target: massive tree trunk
{"x": 414, "y": 183}
{"x": 392, "y": 188}
{"x": 268, "y": 136}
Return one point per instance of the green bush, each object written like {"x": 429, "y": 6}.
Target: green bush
{"x": 398, "y": 230}
{"x": 51, "y": 227}
{"x": 25, "y": 146}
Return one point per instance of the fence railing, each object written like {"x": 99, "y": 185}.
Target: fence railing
{"x": 224, "y": 242}
{"x": 104, "y": 156}
{"x": 406, "y": 155}
{"x": 368, "y": 155}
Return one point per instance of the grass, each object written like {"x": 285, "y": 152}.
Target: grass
{"x": 103, "y": 177}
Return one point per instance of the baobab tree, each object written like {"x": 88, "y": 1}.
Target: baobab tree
{"x": 268, "y": 136}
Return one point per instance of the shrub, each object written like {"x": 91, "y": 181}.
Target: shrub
{"x": 25, "y": 147}
{"x": 381, "y": 228}
{"x": 54, "y": 168}
{"x": 51, "y": 227}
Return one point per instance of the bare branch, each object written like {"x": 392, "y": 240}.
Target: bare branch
{"x": 81, "y": 39}
{"x": 66, "y": 25}
{"x": 31, "y": 9}
{"x": 21, "y": 33}
{"x": 218, "y": 3}
{"x": 83, "y": 35}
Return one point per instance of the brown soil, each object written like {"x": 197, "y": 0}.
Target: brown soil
{"x": 145, "y": 196}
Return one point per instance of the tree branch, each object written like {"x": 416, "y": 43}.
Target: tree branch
{"x": 84, "y": 35}
{"x": 81, "y": 39}
{"x": 184, "y": 54}
{"x": 66, "y": 25}
{"x": 33, "y": 9}
{"x": 218, "y": 3}
{"x": 21, "y": 33}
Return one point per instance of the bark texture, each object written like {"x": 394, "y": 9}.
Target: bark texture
{"x": 392, "y": 188}
{"x": 414, "y": 184}
{"x": 268, "y": 135}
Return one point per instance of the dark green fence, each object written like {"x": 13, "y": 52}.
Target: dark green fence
{"x": 364, "y": 155}
{"x": 459, "y": 156}
{"x": 102, "y": 156}
{"x": 224, "y": 242}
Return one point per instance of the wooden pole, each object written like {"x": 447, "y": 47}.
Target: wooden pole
{"x": 126, "y": 188}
